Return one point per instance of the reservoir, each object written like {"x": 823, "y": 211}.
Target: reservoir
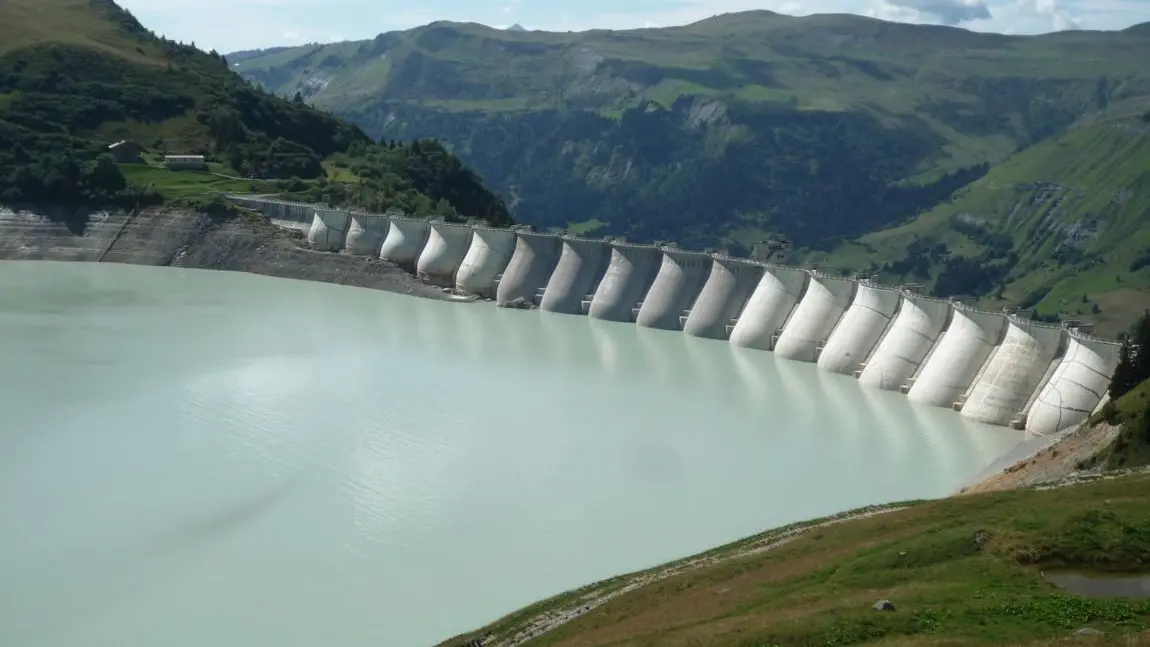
{"x": 191, "y": 457}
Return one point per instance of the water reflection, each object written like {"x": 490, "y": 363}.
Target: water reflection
{"x": 1100, "y": 585}
{"x": 229, "y": 456}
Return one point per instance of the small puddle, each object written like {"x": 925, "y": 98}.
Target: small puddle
{"x": 1101, "y": 585}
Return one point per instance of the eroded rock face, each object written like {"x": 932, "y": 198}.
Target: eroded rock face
{"x": 183, "y": 239}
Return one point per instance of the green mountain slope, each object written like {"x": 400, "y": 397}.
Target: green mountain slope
{"x": 1061, "y": 226}
{"x": 77, "y": 75}
{"x": 968, "y": 570}
{"x": 819, "y": 128}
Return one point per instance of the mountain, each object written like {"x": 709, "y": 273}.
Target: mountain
{"x": 516, "y": 27}
{"x": 78, "y": 75}
{"x": 821, "y": 128}
{"x": 1061, "y": 226}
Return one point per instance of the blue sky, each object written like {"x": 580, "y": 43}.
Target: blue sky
{"x": 229, "y": 25}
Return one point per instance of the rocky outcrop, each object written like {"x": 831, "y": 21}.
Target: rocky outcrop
{"x": 165, "y": 237}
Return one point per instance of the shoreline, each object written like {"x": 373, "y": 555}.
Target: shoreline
{"x": 160, "y": 237}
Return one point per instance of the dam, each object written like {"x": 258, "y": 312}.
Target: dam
{"x": 994, "y": 368}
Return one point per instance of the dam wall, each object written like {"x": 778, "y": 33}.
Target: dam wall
{"x": 990, "y": 367}
{"x": 534, "y": 258}
{"x": 283, "y": 213}
{"x": 958, "y": 358}
{"x": 447, "y": 244}
{"x": 729, "y": 285}
{"x": 824, "y": 303}
{"x": 858, "y": 332}
{"x": 582, "y": 262}
{"x": 404, "y": 241}
{"x": 1001, "y": 393}
{"x": 365, "y": 233}
{"x": 630, "y": 271}
{"x": 681, "y": 276}
{"x": 1077, "y": 386}
{"x": 488, "y": 256}
{"x": 769, "y": 307}
{"x": 915, "y": 330}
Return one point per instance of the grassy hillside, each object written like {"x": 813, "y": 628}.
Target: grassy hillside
{"x": 721, "y": 132}
{"x": 1061, "y": 226}
{"x": 77, "y": 75}
{"x": 959, "y": 571}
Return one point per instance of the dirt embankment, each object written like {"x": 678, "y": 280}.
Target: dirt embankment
{"x": 162, "y": 237}
{"x": 1069, "y": 456}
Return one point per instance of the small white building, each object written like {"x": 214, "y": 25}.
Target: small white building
{"x": 185, "y": 162}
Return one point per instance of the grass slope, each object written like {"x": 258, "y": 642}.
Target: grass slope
{"x": 1064, "y": 219}
{"x": 960, "y": 571}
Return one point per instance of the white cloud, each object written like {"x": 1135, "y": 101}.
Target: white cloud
{"x": 946, "y": 12}
{"x": 1059, "y": 16}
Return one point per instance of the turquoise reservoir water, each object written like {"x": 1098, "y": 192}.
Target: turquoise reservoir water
{"x": 199, "y": 458}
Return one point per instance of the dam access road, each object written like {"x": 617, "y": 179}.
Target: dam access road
{"x": 991, "y": 367}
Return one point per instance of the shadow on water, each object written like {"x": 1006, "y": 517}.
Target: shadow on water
{"x": 1098, "y": 585}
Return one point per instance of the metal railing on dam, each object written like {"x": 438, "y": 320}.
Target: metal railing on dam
{"x": 992, "y": 367}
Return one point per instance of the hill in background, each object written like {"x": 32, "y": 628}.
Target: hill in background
{"x": 77, "y": 75}
{"x": 824, "y": 129}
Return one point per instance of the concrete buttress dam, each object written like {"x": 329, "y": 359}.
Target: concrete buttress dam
{"x": 859, "y": 331}
{"x": 681, "y": 276}
{"x": 365, "y": 234}
{"x": 582, "y": 263}
{"x": 487, "y": 257}
{"x": 994, "y": 368}
{"x": 1001, "y": 394}
{"x": 630, "y": 271}
{"x": 959, "y": 356}
{"x": 531, "y": 264}
{"x": 913, "y": 334}
{"x": 404, "y": 241}
{"x": 447, "y": 244}
{"x": 815, "y": 317}
{"x": 722, "y": 298}
{"x": 769, "y": 307}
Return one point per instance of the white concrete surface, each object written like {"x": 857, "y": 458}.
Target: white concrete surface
{"x": 915, "y": 330}
{"x": 405, "y": 240}
{"x": 858, "y": 332}
{"x": 366, "y": 233}
{"x": 1013, "y": 374}
{"x": 447, "y": 244}
{"x": 582, "y": 263}
{"x": 681, "y": 276}
{"x": 959, "y": 356}
{"x": 531, "y": 265}
{"x": 730, "y": 284}
{"x": 822, "y": 306}
{"x": 489, "y": 254}
{"x": 630, "y": 272}
{"x": 1077, "y": 386}
{"x": 328, "y": 230}
{"x": 769, "y": 307}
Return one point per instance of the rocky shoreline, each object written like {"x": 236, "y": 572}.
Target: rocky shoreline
{"x": 179, "y": 238}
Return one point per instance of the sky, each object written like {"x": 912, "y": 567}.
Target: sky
{"x": 232, "y": 25}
